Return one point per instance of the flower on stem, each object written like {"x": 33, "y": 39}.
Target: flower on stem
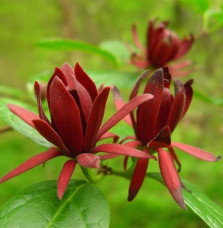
{"x": 153, "y": 124}
{"x": 76, "y": 110}
{"x": 162, "y": 47}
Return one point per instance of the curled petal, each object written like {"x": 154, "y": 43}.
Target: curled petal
{"x": 31, "y": 163}
{"x": 170, "y": 176}
{"x": 124, "y": 111}
{"x": 88, "y": 160}
{"x": 86, "y": 81}
{"x": 64, "y": 177}
{"x": 137, "y": 177}
{"x": 119, "y": 103}
{"x": 38, "y": 93}
{"x": 122, "y": 150}
{"x": 196, "y": 152}
{"x": 95, "y": 119}
{"x": 189, "y": 95}
{"x": 24, "y": 114}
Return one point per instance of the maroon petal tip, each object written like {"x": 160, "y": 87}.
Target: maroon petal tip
{"x": 218, "y": 158}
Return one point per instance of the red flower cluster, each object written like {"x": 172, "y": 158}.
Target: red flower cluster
{"x": 162, "y": 47}
{"x": 153, "y": 124}
{"x": 76, "y": 109}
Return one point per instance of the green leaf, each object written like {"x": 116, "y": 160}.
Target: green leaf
{"x": 208, "y": 99}
{"x": 118, "y": 49}
{"x": 198, "y": 6}
{"x": 120, "y": 79}
{"x": 199, "y": 203}
{"x": 74, "y": 45}
{"x": 9, "y": 91}
{"x": 19, "y": 125}
{"x": 83, "y": 206}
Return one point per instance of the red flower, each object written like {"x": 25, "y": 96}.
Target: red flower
{"x": 155, "y": 120}
{"x": 76, "y": 111}
{"x": 162, "y": 47}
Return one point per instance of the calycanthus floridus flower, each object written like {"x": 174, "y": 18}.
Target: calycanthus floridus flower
{"x": 154, "y": 123}
{"x": 76, "y": 109}
{"x": 162, "y": 47}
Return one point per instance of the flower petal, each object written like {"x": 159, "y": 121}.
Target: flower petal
{"x": 64, "y": 177}
{"x": 177, "y": 106}
{"x": 119, "y": 103}
{"x": 170, "y": 176}
{"x": 189, "y": 96}
{"x": 124, "y": 111}
{"x": 184, "y": 47}
{"x": 175, "y": 158}
{"x": 69, "y": 74}
{"x": 162, "y": 139}
{"x": 50, "y": 134}
{"x": 196, "y": 152}
{"x": 147, "y": 113}
{"x": 136, "y": 39}
{"x": 88, "y": 160}
{"x": 137, "y": 177}
{"x": 95, "y": 119}
{"x": 86, "y": 81}
{"x": 66, "y": 116}
{"x": 108, "y": 135}
{"x": 38, "y": 92}
{"x": 122, "y": 150}
{"x": 32, "y": 162}
{"x": 24, "y": 114}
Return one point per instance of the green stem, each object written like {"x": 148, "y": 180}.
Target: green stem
{"x": 90, "y": 176}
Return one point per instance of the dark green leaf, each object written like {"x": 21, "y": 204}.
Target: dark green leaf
{"x": 198, "y": 6}
{"x": 118, "y": 49}
{"x": 19, "y": 125}
{"x": 83, "y": 206}
{"x": 74, "y": 45}
{"x": 208, "y": 99}
{"x": 199, "y": 203}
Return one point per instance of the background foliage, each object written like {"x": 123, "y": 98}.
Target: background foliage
{"x": 24, "y": 23}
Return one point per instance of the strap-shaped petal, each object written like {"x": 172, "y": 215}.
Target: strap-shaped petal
{"x": 124, "y": 111}
{"x": 177, "y": 106}
{"x": 196, "y": 152}
{"x": 69, "y": 74}
{"x": 189, "y": 96}
{"x": 170, "y": 176}
{"x": 31, "y": 163}
{"x": 38, "y": 92}
{"x": 108, "y": 135}
{"x": 66, "y": 116}
{"x": 136, "y": 39}
{"x": 24, "y": 114}
{"x": 50, "y": 134}
{"x": 148, "y": 112}
{"x": 184, "y": 47}
{"x": 64, "y": 177}
{"x": 85, "y": 80}
{"x": 119, "y": 103}
{"x": 95, "y": 119}
{"x": 137, "y": 177}
{"x": 88, "y": 160}
{"x": 122, "y": 150}
{"x": 175, "y": 158}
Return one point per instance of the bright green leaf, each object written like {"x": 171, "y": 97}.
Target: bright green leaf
{"x": 198, "y": 6}
{"x": 208, "y": 99}
{"x": 199, "y": 203}
{"x": 83, "y": 206}
{"x": 74, "y": 45}
{"x": 118, "y": 49}
{"x": 19, "y": 125}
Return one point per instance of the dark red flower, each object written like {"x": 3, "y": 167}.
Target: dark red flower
{"x": 153, "y": 124}
{"x": 76, "y": 110}
{"x": 162, "y": 47}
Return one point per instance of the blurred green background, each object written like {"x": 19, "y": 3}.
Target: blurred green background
{"x": 24, "y": 22}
